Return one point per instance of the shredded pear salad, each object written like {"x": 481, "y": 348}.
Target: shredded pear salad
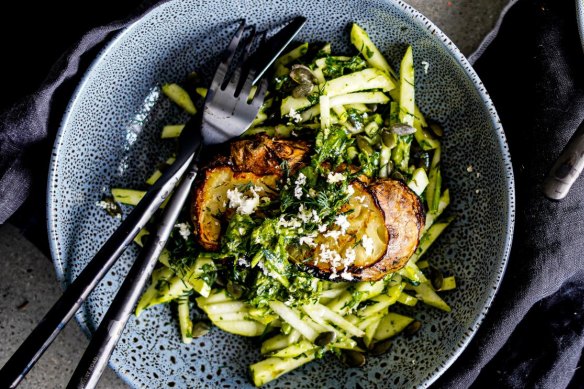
{"x": 309, "y": 231}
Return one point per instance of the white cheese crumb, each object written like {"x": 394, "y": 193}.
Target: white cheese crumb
{"x": 304, "y": 214}
{"x": 308, "y": 240}
{"x": 469, "y": 168}
{"x": 350, "y": 256}
{"x": 322, "y": 228}
{"x": 329, "y": 256}
{"x": 183, "y": 230}
{"x": 315, "y": 216}
{"x": 292, "y": 223}
{"x": 333, "y": 234}
{"x": 242, "y": 262}
{"x": 263, "y": 268}
{"x": 295, "y": 116}
{"x": 361, "y": 199}
{"x": 367, "y": 244}
{"x": 346, "y": 276}
{"x": 350, "y": 190}
{"x": 243, "y": 204}
{"x": 108, "y": 206}
{"x": 335, "y": 177}
{"x": 426, "y": 65}
{"x": 300, "y": 181}
{"x": 343, "y": 223}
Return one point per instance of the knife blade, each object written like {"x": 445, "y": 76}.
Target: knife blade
{"x": 274, "y": 46}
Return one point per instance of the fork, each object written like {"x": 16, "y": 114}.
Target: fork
{"x": 226, "y": 99}
{"x": 227, "y": 113}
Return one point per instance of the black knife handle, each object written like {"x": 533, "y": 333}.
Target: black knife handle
{"x": 567, "y": 168}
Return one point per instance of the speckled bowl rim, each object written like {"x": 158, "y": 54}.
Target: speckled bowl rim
{"x": 422, "y": 22}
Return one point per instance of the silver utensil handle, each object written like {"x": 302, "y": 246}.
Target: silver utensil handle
{"x": 567, "y": 168}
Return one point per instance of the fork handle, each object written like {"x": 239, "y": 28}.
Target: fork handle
{"x": 104, "y": 340}
{"x": 567, "y": 168}
{"x": 70, "y": 301}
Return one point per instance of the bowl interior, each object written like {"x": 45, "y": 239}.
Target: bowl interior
{"x": 110, "y": 138}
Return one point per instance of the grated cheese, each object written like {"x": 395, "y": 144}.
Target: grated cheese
{"x": 367, "y": 244}
{"x": 243, "y": 204}
{"x": 300, "y": 182}
{"x": 335, "y": 177}
{"x": 184, "y": 230}
{"x": 295, "y": 116}
{"x": 350, "y": 190}
{"x": 343, "y": 223}
{"x": 308, "y": 240}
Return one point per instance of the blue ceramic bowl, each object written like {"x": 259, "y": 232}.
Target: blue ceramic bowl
{"x": 110, "y": 137}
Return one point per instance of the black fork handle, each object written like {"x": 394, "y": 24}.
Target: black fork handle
{"x": 63, "y": 310}
{"x": 104, "y": 340}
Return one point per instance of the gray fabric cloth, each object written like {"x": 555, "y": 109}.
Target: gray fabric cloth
{"x": 533, "y": 67}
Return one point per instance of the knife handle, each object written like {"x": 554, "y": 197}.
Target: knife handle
{"x": 567, "y": 168}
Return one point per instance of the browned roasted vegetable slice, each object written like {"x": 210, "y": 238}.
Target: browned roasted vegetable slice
{"x": 256, "y": 161}
{"x": 263, "y": 155}
{"x": 211, "y": 201}
{"x": 404, "y": 220}
{"x": 385, "y": 223}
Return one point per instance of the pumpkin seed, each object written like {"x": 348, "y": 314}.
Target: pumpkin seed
{"x": 380, "y": 348}
{"x": 200, "y": 329}
{"x": 302, "y": 90}
{"x": 364, "y": 146}
{"x": 353, "y": 358}
{"x": 412, "y": 328}
{"x": 436, "y": 128}
{"x": 398, "y": 176}
{"x": 388, "y": 138}
{"x": 389, "y": 168}
{"x": 402, "y": 129}
{"x": 302, "y": 75}
{"x": 325, "y": 338}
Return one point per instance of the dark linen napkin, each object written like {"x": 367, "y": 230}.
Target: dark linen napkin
{"x": 533, "y": 67}
{"x": 533, "y": 334}
{"x": 27, "y": 128}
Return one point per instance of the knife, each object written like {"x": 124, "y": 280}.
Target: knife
{"x": 274, "y": 46}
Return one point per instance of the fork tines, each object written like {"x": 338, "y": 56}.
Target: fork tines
{"x": 232, "y": 73}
